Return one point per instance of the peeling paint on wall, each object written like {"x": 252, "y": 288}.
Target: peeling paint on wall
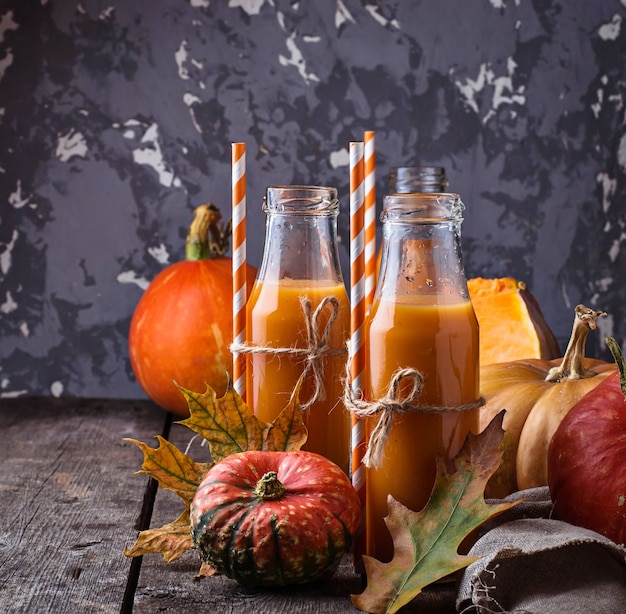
{"x": 116, "y": 122}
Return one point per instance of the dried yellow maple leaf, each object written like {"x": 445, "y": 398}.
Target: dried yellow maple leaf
{"x": 171, "y": 540}
{"x": 426, "y": 543}
{"x": 171, "y": 468}
{"x": 229, "y": 426}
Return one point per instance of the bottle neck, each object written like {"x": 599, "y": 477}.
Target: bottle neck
{"x": 301, "y": 235}
{"x": 412, "y": 179}
{"x": 421, "y": 252}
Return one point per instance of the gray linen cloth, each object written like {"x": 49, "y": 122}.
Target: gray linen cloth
{"x": 532, "y": 563}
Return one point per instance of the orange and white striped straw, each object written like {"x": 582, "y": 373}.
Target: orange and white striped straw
{"x": 369, "y": 155}
{"x": 357, "y": 316}
{"x": 239, "y": 263}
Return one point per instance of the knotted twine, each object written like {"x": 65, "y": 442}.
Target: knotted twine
{"x": 394, "y": 402}
{"x": 317, "y": 346}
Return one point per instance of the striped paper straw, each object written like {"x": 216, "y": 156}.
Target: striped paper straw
{"x": 239, "y": 263}
{"x": 357, "y": 317}
{"x": 369, "y": 144}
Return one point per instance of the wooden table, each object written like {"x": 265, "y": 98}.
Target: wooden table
{"x": 71, "y": 501}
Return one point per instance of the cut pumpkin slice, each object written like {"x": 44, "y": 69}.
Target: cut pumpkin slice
{"x": 512, "y": 325}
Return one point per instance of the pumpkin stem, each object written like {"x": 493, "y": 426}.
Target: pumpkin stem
{"x": 572, "y": 366}
{"x": 269, "y": 487}
{"x": 207, "y": 238}
{"x": 619, "y": 360}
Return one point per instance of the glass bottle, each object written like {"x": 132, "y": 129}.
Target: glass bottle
{"x": 413, "y": 179}
{"x": 300, "y": 259}
{"x": 421, "y": 318}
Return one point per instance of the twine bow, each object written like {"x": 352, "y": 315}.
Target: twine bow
{"x": 393, "y": 402}
{"x": 317, "y": 345}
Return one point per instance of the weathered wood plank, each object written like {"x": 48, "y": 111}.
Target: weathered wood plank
{"x": 172, "y": 588}
{"x": 69, "y": 501}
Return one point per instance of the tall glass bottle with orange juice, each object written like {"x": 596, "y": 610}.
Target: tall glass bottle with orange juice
{"x": 421, "y": 318}
{"x": 300, "y": 260}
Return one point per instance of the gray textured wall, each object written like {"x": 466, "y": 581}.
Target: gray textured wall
{"x": 116, "y": 119}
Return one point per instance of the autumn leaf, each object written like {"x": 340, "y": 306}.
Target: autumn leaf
{"x": 287, "y": 431}
{"x": 227, "y": 423}
{"x": 171, "y": 468}
{"x": 206, "y": 571}
{"x": 171, "y": 540}
{"x": 426, "y": 543}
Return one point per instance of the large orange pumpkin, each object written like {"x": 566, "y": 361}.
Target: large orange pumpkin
{"x": 537, "y": 394}
{"x": 181, "y": 329}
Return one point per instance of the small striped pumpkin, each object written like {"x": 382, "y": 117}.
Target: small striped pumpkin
{"x": 274, "y": 518}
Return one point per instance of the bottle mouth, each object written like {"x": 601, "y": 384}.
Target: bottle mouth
{"x": 433, "y": 208}
{"x": 303, "y": 199}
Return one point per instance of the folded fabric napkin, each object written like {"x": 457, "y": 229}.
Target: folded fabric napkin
{"x": 532, "y": 563}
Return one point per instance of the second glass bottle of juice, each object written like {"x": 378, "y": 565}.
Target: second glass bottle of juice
{"x": 300, "y": 259}
{"x": 421, "y": 318}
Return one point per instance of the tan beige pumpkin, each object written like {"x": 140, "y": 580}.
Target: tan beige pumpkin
{"x": 537, "y": 394}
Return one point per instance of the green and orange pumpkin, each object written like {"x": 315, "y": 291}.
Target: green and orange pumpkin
{"x": 274, "y": 518}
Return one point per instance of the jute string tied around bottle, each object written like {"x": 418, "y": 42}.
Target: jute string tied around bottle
{"x": 395, "y": 401}
{"x": 317, "y": 345}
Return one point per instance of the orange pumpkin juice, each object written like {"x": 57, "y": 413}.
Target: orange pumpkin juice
{"x": 275, "y": 319}
{"x": 441, "y": 341}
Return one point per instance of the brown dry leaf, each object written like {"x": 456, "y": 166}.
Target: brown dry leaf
{"x": 426, "y": 542}
{"x": 227, "y": 423}
{"x": 171, "y": 468}
{"x": 287, "y": 431}
{"x": 171, "y": 540}
{"x": 206, "y": 571}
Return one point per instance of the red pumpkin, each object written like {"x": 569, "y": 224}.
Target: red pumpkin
{"x": 274, "y": 518}
{"x": 181, "y": 329}
{"x": 587, "y": 460}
